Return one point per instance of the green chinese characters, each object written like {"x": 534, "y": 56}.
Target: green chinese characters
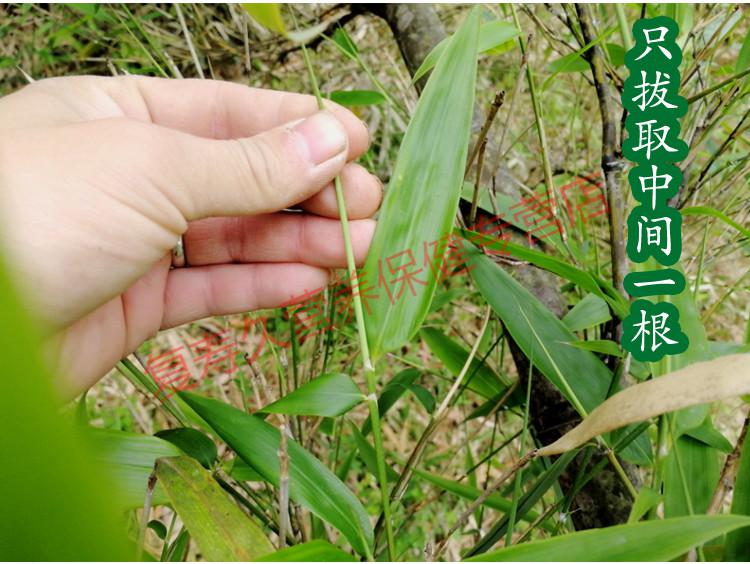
{"x": 653, "y": 330}
{"x": 650, "y": 96}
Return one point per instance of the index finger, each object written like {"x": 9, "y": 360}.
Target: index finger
{"x": 223, "y": 110}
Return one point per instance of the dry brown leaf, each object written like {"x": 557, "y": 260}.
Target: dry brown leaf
{"x": 703, "y": 382}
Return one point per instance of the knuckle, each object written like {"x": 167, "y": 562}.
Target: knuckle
{"x": 257, "y": 167}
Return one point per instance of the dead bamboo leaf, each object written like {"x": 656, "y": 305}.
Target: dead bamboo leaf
{"x": 699, "y": 383}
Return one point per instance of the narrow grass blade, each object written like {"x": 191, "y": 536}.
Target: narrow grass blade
{"x": 712, "y": 212}
{"x": 311, "y": 484}
{"x": 179, "y": 549}
{"x": 646, "y": 541}
{"x": 328, "y": 395}
{"x": 193, "y": 443}
{"x": 223, "y": 532}
{"x": 422, "y": 198}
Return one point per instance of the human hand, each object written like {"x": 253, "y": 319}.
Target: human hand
{"x": 100, "y": 176}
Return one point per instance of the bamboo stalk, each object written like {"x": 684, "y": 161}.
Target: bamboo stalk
{"x": 539, "y": 120}
{"x": 362, "y": 333}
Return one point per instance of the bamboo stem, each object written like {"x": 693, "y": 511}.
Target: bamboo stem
{"x": 362, "y": 332}
{"x": 147, "y": 499}
{"x": 539, "y": 120}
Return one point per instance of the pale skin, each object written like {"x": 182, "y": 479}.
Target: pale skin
{"x": 100, "y": 176}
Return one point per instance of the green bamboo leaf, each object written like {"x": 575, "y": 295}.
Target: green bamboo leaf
{"x": 179, "y": 549}
{"x": 223, "y": 532}
{"x": 270, "y": 17}
{"x": 574, "y": 62}
{"x": 422, "y": 198}
{"x": 357, "y": 97}
{"x": 579, "y": 375}
{"x": 129, "y": 459}
{"x": 645, "y": 541}
{"x": 692, "y": 466}
{"x": 345, "y": 43}
{"x": 159, "y": 528}
{"x": 698, "y": 351}
{"x": 193, "y": 443}
{"x": 311, "y": 484}
{"x": 646, "y": 500}
{"x": 423, "y": 396}
{"x": 589, "y": 312}
{"x": 738, "y": 542}
{"x": 367, "y": 453}
{"x": 581, "y": 278}
{"x": 328, "y": 395}
{"x": 394, "y": 389}
{"x": 313, "y": 551}
{"x": 491, "y": 36}
{"x": 267, "y": 15}
{"x": 711, "y": 436}
{"x": 743, "y": 59}
{"x": 691, "y": 472}
{"x": 484, "y": 381}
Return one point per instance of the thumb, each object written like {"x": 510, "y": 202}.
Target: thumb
{"x": 260, "y": 174}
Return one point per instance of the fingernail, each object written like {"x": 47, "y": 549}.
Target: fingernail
{"x": 324, "y": 136}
